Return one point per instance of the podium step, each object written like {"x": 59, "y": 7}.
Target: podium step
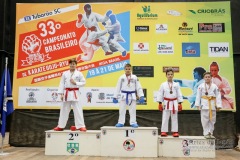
{"x": 69, "y": 142}
{"x": 129, "y": 142}
{"x": 186, "y": 146}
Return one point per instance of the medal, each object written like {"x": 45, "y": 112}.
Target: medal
{"x": 170, "y": 88}
{"x": 206, "y": 89}
{"x": 128, "y": 80}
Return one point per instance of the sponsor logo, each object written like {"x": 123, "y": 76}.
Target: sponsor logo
{"x": 141, "y": 28}
{"x": 147, "y": 14}
{"x": 211, "y": 27}
{"x": 89, "y": 97}
{"x": 161, "y": 28}
{"x": 128, "y": 145}
{"x": 54, "y": 96}
{"x": 185, "y": 147}
{"x": 27, "y": 18}
{"x": 215, "y": 12}
{"x": 174, "y": 13}
{"x": 165, "y": 48}
{"x": 175, "y": 68}
{"x": 140, "y": 47}
{"x": 31, "y": 98}
{"x": 42, "y": 15}
{"x": 101, "y": 96}
{"x": 185, "y": 30}
{"x": 72, "y": 147}
{"x": 218, "y": 49}
{"x": 191, "y": 49}
{"x": 56, "y": 11}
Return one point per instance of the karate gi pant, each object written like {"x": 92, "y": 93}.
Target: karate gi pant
{"x": 174, "y": 121}
{"x": 64, "y": 114}
{"x": 114, "y": 42}
{"x": 207, "y": 124}
{"x": 122, "y": 112}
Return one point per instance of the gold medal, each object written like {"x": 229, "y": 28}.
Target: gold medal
{"x": 171, "y": 92}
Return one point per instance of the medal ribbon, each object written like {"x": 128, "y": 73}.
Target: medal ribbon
{"x": 170, "y": 87}
{"x": 128, "y": 79}
{"x": 206, "y": 90}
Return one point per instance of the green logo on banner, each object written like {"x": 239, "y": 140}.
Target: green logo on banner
{"x": 147, "y": 13}
{"x": 192, "y": 11}
{"x": 215, "y": 12}
{"x": 72, "y": 147}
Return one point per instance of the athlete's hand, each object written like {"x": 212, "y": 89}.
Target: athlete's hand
{"x": 179, "y": 107}
{"x": 160, "y": 107}
{"x": 72, "y": 81}
{"x": 115, "y": 100}
{"x": 79, "y": 17}
{"x": 108, "y": 13}
{"x": 104, "y": 23}
{"x": 141, "y": 100}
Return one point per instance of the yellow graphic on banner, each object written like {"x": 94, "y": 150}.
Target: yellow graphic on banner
{"x": 192, "y": 38}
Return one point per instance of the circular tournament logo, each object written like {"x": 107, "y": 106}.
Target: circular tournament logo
{"x": 31, "y": 94}
{"x": 128, "y": 145}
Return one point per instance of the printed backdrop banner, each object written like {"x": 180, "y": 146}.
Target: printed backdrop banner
{"x": 191, "y": 37}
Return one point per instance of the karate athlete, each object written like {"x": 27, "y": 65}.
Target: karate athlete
{"x": 193, "y": 84}
{"x": 89, "y": 19}
{"x": 170, "y": 102}
{"x": 69, "y": 87}
{"x": 115, "y": 36}
{"x": 128, "y": 85}
{"x": 223, "y": 86}
{"x": 208, "y": 100}
{"x": 98, "y": 39}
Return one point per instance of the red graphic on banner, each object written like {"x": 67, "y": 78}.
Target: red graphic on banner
{"x": 41, "y": 69}
{"x": 51, "y": 41}
{"x": 81, "y": 68}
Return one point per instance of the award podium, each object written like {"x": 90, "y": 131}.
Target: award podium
{"x": 69, "y": 142}
{"x": 186, "y": 146}
{"x": 127, "y": 142}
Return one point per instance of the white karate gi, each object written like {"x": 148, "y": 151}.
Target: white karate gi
{"x": 97, "y": 38}
{"x": 164, "y": 93}
{"x": 222, "y": 84}
{"x": 127, "y": 87}
{"x": 208, "y": 108}
{"x": 91, "y": 20}
{"x": 71, "y": 98}
{"x": 115, "y": 29}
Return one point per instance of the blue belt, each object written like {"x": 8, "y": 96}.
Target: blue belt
{"x": 128, "y": 92}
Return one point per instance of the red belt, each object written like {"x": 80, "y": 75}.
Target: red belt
{"x": 170, "y": 99}
{"x": 71, "y": 89}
